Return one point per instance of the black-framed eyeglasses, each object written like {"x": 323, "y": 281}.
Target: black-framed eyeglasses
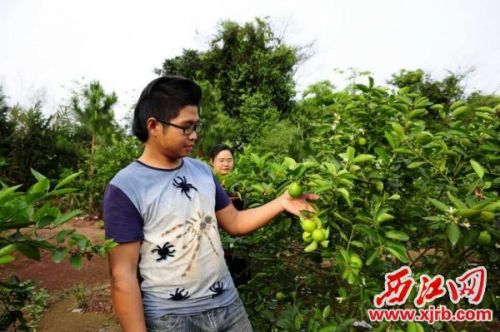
{"x": 188, "y": 130}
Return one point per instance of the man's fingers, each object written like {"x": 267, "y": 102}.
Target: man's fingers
{"x": 311, "y": 197}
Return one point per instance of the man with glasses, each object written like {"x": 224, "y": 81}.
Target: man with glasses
{"x": 164, "y": 210}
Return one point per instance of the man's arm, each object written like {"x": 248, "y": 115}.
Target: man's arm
{"x": 238, "y": 223}
{"x": 125, "y": 292}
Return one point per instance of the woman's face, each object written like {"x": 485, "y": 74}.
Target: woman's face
{"x": 223, "y": 162}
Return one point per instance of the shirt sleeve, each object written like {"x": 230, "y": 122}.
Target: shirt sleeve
{"x": 122, "y": 221}
{"x": 221, "y": 198}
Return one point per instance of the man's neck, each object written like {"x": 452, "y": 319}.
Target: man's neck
{"x": 157, "y": 160}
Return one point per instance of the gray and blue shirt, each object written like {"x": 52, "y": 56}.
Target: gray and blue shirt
{"x": 172, "y": 212}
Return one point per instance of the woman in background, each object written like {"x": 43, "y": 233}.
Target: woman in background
{"x": 222, "y": 160}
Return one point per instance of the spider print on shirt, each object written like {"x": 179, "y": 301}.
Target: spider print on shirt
{"x": 178, "y": 295}
{"x": 196, "y": 228}
{"x": 164, "y": 251}
{"x": 217, "y": 288}
{"x": 184, "y": 186}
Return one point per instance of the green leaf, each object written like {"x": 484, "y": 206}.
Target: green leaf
{"x": 59, "y": 254}
{"x": 8, "y": 249}
{"x": 457, "y": 104}
{"x": 8, "y": 191}
{"x": 326, "y": 312}
{"x": 417, "y": 112}
{"x": 38, "y": 190}
{"x": 437, "y": 107}
{"x": 384, "y": 217}
{"x": 392, "y": 141}
{"x": 311, "y": 247}
{"x": 414, "y": 327}
{"x": 477, "y": 168}
{"x": 439, "y": 205}
{"x": 366, "y": 230}
{"x": 345, "y": 195}
{"x": 395, "y": 197}
{"x": 350, "y": 153}
{"x": 397, "y": 235}
{"x": 458, "y": 203}
{"x": 6, "y": 259}
{"x": 453, "y": 233}
{"x": 363, "y": 158}
{"x": 372, "y": 257}
{"x": 415, "y": 164}
{"x": 328, "y": 328}
{"x": 81, "y": 241}
{"x": 67, "y": 180}
{"x": 29, "y": 251}
{"x": 398, "y": 252}
{"x": 60, "y": 192}
{"x": 61, "y": 235}
{"x": 459, "y": 111}
{"x": 76, "y": 262}
{"x": 484, "y": 109}
{"x": 67, "y": 216}
{"x": 382, "y": 154}
{"x": 46, "y": 215}
{"x": 37, "y": 175}
{"x": 358, "y": 244}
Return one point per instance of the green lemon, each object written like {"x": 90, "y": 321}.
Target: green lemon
{"x": 295, "y": 190}
{"x": 306, "y": 237}
{"x": 308, "y": 225}
{"x": 355, "y": 262}
{"x": 486, "y": 216}
{"x": 318, "y": 235}
{"x": 362, "y": 141}
{"x": 280, "y": 296}
{"x": 484, "y": 238}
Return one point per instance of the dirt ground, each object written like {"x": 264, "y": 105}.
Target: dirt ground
{"x": 68, "y": 287}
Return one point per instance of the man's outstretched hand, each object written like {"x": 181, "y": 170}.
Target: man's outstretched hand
{"x": 296, "y": 205}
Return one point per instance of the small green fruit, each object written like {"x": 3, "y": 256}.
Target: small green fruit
{"x": 295, "y": 190}
{"x": 486, "y": 216}
{"x": 484, "y": 238}
{"x": 308, "y": 225}
{"x": 318, "y": 235}
{"x": 361, "y": 141}
{"x": 306, "y": 237}
{"x": 355, "y": 261}
{"x": 280, "y": 296}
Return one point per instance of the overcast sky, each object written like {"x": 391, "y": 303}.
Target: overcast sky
{"x": 47, "y": 45}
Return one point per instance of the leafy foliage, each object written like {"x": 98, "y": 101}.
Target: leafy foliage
{"x": 445, "y": 92}
{"x": 420, "y": 186}
{"x": 22, "y": 216}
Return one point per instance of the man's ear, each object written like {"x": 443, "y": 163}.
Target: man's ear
{"x": 153, "y": 127}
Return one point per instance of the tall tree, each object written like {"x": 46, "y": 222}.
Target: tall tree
{"x": 6, "y": 131}
{"x": 93, "y": 110}
{"x": 247, "y": 61}
{"x": 31, "y": 144}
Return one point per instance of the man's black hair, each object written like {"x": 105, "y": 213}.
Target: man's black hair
{"x": 218, "y": 148}
{"x": 162, "y": 99}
